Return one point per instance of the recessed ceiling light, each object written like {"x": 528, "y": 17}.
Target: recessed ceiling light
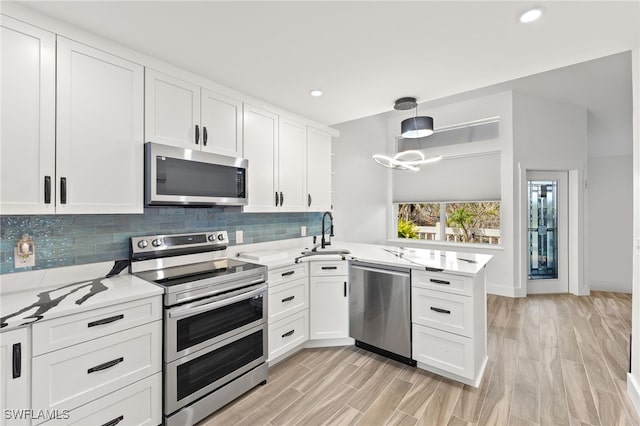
{"x": 531, "y": 15}
{"x": 316, "y": 93}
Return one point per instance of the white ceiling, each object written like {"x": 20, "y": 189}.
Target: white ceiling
{"x": 363, "y": 55}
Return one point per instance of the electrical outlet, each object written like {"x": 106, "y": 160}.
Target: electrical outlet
{"x": 239, "y": 237}
{"x": 303, "y": 231}
{"x": 23, "y": 261}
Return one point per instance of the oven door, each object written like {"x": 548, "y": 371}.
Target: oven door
{"x": 202, "y": 372}
{"x": 197, "y": 325}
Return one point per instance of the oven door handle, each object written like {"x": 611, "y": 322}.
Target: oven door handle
{"x": 217, "y": 304}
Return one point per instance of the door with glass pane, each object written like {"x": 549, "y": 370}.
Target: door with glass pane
{"x": 547, "y": 232}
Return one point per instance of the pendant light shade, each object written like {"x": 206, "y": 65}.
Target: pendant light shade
{"x": 417, "y": 127}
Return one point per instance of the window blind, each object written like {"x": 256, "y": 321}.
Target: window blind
{"x": 473, "y": 178}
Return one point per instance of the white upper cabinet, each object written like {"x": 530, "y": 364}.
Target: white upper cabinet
{"x": 183, "y": 114}
{"x": 221, "y": 124}
{"x": 318, "y": 170}
{"x": 27, "y": 148}
{"x": 292, "y": 165}
{"x": 99, "y": 143}
{"x": 172, "y": 110}
{"x": 260, "y": 148}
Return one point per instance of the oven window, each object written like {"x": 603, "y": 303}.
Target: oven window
{"x": 210, "y": 324}
{"x": 192, "y": 178}
{"x": 206, "y": 369}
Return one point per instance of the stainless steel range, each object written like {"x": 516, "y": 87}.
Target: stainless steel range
{"x": 215, "y": 321}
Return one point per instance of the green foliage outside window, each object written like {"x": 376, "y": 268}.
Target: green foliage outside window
{"x": 407, "y": 229}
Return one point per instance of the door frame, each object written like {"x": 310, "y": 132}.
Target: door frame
{"x": 577, "y": 219}
{"x": 560, "y": 284}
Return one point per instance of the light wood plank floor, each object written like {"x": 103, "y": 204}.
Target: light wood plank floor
{"x": 553, "y": 360}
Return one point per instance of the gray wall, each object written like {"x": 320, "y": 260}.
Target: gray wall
{"x": 360, "y": 184}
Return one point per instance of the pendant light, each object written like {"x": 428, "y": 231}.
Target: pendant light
{"x": 413, "y": 127}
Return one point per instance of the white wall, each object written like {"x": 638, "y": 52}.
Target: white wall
{"x": 610, "y": 211}
{"x": 549, "y": 135}
{"x": 359, "y": 184}
{"x": 633, "y": 382}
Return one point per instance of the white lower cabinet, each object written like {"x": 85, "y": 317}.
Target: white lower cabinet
{"x": 329, "y": 306}
{"x": 139, "y": 404}
{"x": 288, "y": 321}
{"x": 15, "y": 375}
{"x": 449, "y": 324}
{"x": 109, "y": 367}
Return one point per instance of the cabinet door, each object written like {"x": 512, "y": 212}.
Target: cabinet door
{"x": 318, "y": 170}
{"x": 99, "y": 131}
{"x": 27, "y": 148}
{"x": 260, "y": 148}
{"x": 172, "y": 111}
{"x": 329, "y": 308}
{"x": 221, "y": 124}
{"x": 292, "y": 165}
{"x": 15, "y": 377}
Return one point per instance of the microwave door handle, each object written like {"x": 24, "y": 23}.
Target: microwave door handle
{"x": 214, "y": 305}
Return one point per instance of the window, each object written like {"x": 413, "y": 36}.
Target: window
{"x": 476, "y": 222}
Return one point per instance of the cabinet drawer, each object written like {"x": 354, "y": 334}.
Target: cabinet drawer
{"x": 288, "y": 333}
{"x": 446, "y": 351}
{"x": 444, "y": 311}
{"x": 71, "y": 377}
{"x": 287, "y": 274}
{"x": 289, "y": 298}
{"x": 139, "y": 404}
{"x": 329, "y": 267}
{"x": 61, "y": 332}
{"x": 449, "y": 283}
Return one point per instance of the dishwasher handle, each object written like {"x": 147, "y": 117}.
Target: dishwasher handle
{"x": 402, "y": 273}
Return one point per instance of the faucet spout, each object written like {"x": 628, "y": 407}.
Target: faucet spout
{"x": 323, "y": 242}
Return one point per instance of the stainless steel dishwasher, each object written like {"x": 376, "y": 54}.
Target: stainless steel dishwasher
{"x": 380, "y": 309}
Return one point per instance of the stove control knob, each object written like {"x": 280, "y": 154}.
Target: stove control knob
{"x": 221, "y": 237}
{"x": 157, "y": 242}
{"x": 211, "y": 237}
{"x": 143, "y": 244}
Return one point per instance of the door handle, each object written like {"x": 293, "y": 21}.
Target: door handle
{"x": 345, "y": 289}
{"x": 288, "y": 333}
{"x": 308, "y": 200}
{"x": 439, "y": 281}
{"x": 63, "y": 190}
{"x": 114, "y": 422}
{"x": 440, "y": 310}
{"x": 17, "y": 360}
{"x": 276, "y": 198}
{"x": 47, "y": 189}
{"x": 285, "y": 274}
{"x": 197, "y": 134}
{"x": 204, "y": 136}
{"x": 281, "y": 199}
{"x": 288, "y": 299}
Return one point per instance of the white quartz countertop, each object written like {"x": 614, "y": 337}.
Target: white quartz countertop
{"x": 22, "y": 307}
{"x": 414, "y": 258}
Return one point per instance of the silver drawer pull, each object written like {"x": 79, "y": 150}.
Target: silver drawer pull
{"x": 287, "y": 334}
{"x": 288, "y": 299}
{"x": 285, "y": 274}
{"x": 439, "y": 281}
{"x": 114, "y": 422}
{"x": 440, "y": 310}
{"x": 105, "y": 365}
{"x": 105, "y": 320}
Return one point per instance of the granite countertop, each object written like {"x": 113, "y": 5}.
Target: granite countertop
{"x": 414, "y": 258}
{"x": 36, "y": 303}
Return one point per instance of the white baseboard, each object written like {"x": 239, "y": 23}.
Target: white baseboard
{"x": 633, "y": 389}
{"x": 324, "y": 343}
{"x": 501, "y": 290}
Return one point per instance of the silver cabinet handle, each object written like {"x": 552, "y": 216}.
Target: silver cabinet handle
{"x": 190, "y": 310}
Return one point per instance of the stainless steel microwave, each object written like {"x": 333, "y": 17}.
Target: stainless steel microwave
{"x": 179, "y": 176}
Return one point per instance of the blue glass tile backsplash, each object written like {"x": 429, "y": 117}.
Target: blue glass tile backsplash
{"x": 65, "y": 240}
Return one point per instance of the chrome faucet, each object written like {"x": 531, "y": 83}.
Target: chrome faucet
{"x": 323, "y": 242}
